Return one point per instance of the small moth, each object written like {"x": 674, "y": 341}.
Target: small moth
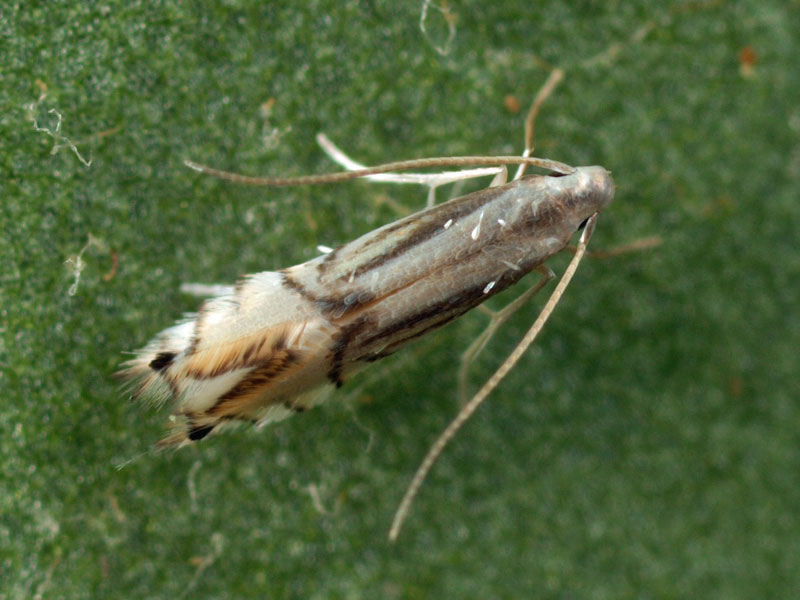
{"x": 262, "y": 350}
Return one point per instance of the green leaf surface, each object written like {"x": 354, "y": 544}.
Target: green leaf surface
{"x": 647, "y": 447}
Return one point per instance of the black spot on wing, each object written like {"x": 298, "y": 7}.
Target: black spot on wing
{"x": 162, "y": 361}
{"x": 198, "y": 433}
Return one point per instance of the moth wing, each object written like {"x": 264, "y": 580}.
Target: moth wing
{"x": 253, "y": 356}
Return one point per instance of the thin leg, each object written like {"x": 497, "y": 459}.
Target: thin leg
{"x": 432, "y": 180}
{"x": 556, "y": 75}
{"x": 207, "y": 290}
{"x": 501, "y": 178}
{"x": 497, "y": 318}
{"x": 634, "y": 246}
{"x": 466, "y": 412}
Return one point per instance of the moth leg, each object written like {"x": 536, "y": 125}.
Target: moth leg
{"x": 501, "y": 178}
{"x": 207, "y": 290}
{"x": 431, "y": 180}
{"x": 496, "y": 320}
{"x": 556, "y": 75}
{"x": 634, "y": 246}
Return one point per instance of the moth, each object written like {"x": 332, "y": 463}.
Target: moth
{"x": 261, "y": 351}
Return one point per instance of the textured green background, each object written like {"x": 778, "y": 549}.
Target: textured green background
{"x": 647, "y": 447}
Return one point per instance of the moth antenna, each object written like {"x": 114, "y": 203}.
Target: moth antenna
{"x": 468, "y": 409}
{"x": 452, "y": 161}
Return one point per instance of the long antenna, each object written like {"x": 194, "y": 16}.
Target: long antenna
{"x": 544, "y": 163}
{"x": 468, "y": 409}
